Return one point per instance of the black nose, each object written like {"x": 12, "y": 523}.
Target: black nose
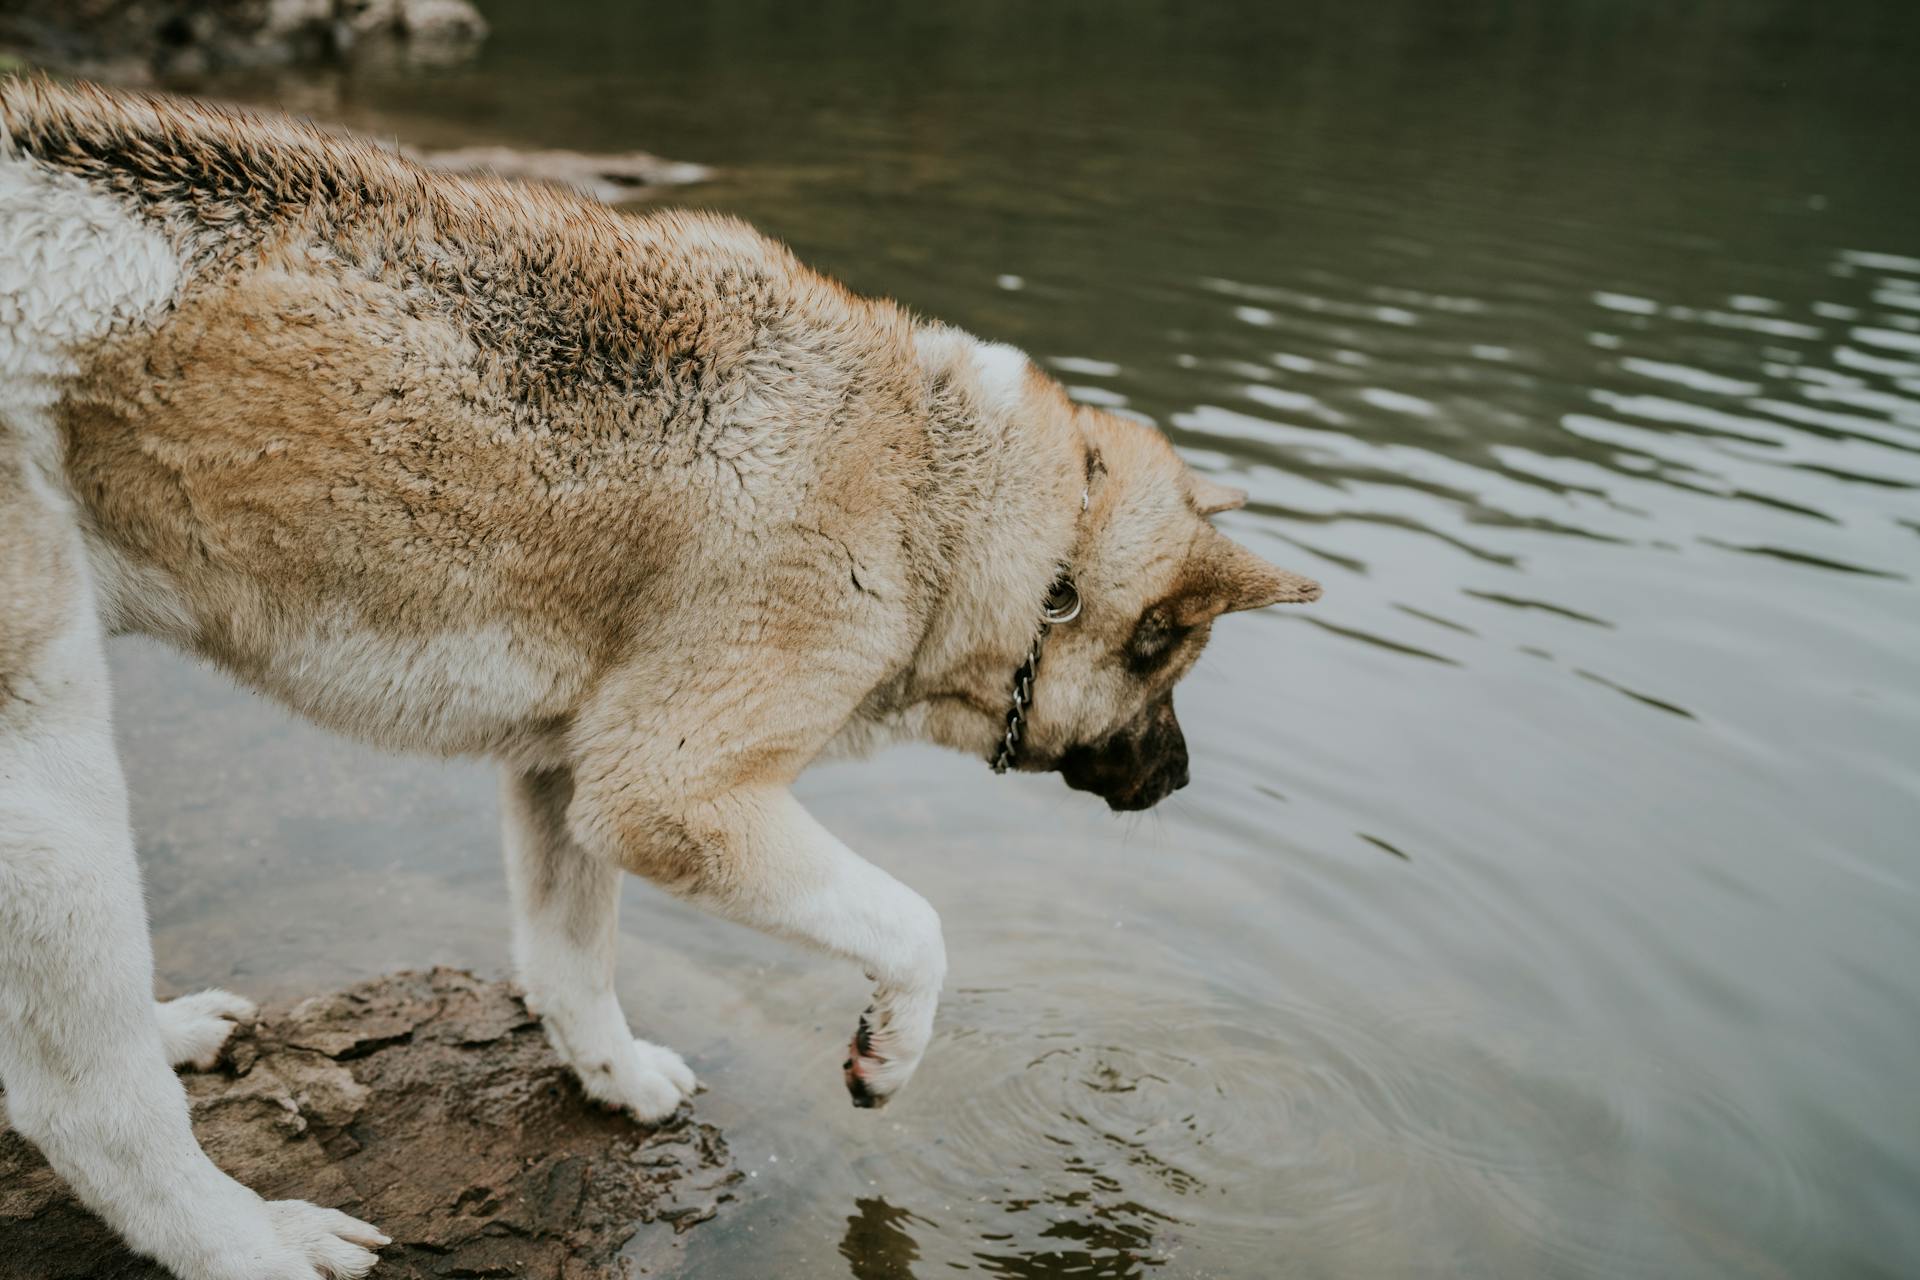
{"x": 1135, "y": 768}
{"x": 1129, "y": 791}
{"x": 1147, "y": 794}
{"x": 1168, "y": 780}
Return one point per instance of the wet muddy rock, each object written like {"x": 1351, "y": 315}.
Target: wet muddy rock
{"x": 430, "y": 1105}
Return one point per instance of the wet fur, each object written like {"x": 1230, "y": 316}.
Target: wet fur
{"x": 640, "y": 507}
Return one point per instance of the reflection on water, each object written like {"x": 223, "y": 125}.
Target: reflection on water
{"x": 1544, "y": 903}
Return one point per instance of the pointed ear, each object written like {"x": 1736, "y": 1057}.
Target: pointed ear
{"x": 1210, "y": 499}
{"x": 1225, "y": 577}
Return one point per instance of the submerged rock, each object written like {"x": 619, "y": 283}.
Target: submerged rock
{"x": 430, "y": 1105}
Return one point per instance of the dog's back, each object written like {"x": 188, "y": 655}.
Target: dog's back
{"x": 331, "y": 413}
{"x": 565, "y": 288}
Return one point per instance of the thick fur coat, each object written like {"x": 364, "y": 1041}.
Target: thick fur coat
{"x": 639, "y": 506}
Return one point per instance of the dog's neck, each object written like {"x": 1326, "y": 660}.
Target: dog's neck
{"x": 1003, "y": 517}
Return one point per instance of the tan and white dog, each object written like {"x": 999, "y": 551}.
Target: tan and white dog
{"x": 638, "y": 506}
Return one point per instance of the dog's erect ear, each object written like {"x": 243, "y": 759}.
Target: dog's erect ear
{"x": 1225, "y": 577}
{"x": 1210, "y": 499}
{"x": 1252, "y": 583}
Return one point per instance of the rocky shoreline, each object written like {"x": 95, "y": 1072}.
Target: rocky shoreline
{"x": 142, "y": 41}
{"x": 430, "y": 1105}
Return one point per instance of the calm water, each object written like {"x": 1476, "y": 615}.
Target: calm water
{"x": 1545, "y": 900}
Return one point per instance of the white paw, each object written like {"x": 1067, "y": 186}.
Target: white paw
{"x": 194, "y": 1028}
{"x": 888, "y": 1044}
{"x": 324, "y": 1243}
{"x": 648, "y": 1082}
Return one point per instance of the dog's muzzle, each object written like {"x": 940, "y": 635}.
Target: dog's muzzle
{"x": 1137, "y": 766}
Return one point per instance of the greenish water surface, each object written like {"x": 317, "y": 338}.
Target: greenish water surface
{"x": 1545, "y": 902}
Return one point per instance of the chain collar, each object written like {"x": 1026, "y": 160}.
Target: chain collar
{"x": 1062, "y": 605}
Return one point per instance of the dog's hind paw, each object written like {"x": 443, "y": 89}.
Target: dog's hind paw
{"x": 194, "y": 1028}
{"x": 648, "y": 1084}
{"x": 333, "y": 1245}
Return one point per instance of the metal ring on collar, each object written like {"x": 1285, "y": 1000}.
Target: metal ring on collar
{"x": 1062, "y": 603}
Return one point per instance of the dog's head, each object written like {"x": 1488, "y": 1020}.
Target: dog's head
{"x": 1152, "y": 575}
{"x": 1150, "y": 570}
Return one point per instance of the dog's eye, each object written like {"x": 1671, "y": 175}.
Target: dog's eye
{"x": 1153, "y": 642}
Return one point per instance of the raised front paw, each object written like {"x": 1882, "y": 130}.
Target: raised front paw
{"x": 648, "y": 1082}
{"x": 193, "y": 1029}
{"x": 887, "y": 1045}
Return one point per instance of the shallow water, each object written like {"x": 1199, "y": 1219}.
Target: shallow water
{"x": 1545, "y": 900}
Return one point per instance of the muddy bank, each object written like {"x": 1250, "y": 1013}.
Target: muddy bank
{"x": 430, "y": 1105}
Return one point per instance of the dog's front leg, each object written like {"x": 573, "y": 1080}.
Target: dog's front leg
{"x": 755, "y": 856}
{"x": 565, "y": 923}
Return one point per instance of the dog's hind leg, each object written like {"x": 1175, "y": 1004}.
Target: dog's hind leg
{"x": 565, "y": 922}
{"x": 82, "y": 1052}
